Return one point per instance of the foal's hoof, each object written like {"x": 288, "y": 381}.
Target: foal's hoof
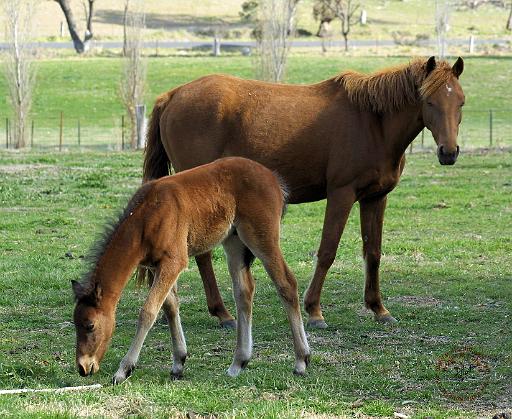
{"x": 386, "y": 319}
{"x": 228, "y": 324}
{"x": 121, "y": 375}
{"x": 317, "y": 324}
{"x": 176, "y": 376}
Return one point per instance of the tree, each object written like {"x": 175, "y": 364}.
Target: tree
{"x": 509, "y": 20}
{"x": 442, "y": 26}
{"x": 133, "y": 81}
{"x": 341, "y": 9}
{"x": 19, "y": 71}
{"x": 80, "y": 46}
{"x": 277, "y": 22}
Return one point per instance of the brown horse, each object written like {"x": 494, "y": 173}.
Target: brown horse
{"x": 233, "y": 201}
{"x": 342, "y": 139}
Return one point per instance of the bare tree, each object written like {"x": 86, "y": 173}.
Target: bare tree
{"x": 19, "y": 69}
{"x": 442, "y": 25}
{"x": 509, "y": 20}
{"x": 344, "y": 10}
{"x": 80, "y": 46}
{"x": 277, "y": 26}
{"x": 133, "y": 81}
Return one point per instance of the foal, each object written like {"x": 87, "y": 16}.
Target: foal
{"x": 233, "y": 201}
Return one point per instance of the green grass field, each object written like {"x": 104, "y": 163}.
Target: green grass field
{"x": 87, "y": 90}
{"x": 446, "y": 276}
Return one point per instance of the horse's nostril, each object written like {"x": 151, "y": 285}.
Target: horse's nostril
{"x": 441, "y": 150}
{"x": 458, "y": 150}
{"x": 81, "y": 370}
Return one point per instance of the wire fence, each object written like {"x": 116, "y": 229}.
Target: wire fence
{"x": 479, "y": 129}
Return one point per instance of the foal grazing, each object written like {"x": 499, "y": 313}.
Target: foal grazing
{"x": 343, "y": 139}
{"x": 233, "y": 201}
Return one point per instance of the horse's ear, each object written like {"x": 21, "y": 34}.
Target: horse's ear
{"x": 431, "y": 64}
{"x": 78, "y": 288}
{"x": 458, "y": 67}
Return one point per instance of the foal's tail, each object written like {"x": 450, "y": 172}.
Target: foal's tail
{"x": 156, "y": 161}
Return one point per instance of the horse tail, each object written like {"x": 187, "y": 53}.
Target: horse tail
{"x": 156, "y": 161}
{"x": 156, "y": 164}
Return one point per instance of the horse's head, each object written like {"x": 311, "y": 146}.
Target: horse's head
{"x": 94, "y": 328}
{"x": 443, "y": 99}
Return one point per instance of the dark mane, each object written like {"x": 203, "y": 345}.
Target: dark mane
{"x": 88, "y": 280}
{"x": 393, "y": 88}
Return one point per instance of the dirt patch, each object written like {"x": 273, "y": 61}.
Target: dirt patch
{"x": 19, "y": 168}
{"x": 417, "y": 301}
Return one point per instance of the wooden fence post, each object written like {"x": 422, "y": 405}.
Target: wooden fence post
{"x": 60, "y": 131}
{"x": 122, "y": 132}
{"x": 490, "y": 127}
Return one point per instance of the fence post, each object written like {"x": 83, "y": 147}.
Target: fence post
{"x": 78, "y": 131}
{"x": 6, "y": 132}
{"x": 32, "y": 135}
{"x": 122, "y": 132}
{"x": 490, "y": 127}
{"x": 60, "y": 131}
{"x": 422, "y": 137}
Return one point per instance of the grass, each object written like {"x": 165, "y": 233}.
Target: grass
{"x": 186, "y": 19}
{"x": 87, "y": 89}
{"x": 445, "y": 273}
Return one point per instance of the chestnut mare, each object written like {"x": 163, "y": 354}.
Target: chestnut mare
{"x": 233, "y": 201}
{"x": 342, "y": 139}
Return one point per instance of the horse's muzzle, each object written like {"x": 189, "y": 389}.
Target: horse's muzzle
{"x": 447, "y": 158}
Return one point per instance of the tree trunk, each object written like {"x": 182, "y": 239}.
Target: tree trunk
{"x": 509, "y": 21}
{"x": 80, "y": 46}
{"x": 345, "y": 38}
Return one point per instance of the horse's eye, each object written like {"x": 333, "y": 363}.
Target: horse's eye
{"x": 462, "y": 104}
{"x": 89, "y": 327}
{"x": 430, "y": 104}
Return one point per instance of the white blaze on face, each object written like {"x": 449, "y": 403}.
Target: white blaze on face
{"x": 448, "y": 89}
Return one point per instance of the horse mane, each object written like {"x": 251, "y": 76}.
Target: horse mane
{"x": 393, "y": 88}
{"x": 88, "y": 282}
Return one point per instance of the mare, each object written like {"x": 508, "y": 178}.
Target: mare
{"x": 233, "y": 201}
{"x": 342, "y": 139}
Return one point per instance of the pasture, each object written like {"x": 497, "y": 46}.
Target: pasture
{"x": 446, "y": 276}
{"x": 87, "y": 90}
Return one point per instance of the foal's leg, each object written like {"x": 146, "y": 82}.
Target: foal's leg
{"x": 166, "y": 276}
{"x": 171, "y": 308}
{"x": 339, "y": 203}
{"x": 214, "y": 300}
{"x": 239, "y": 259}
{"x": 286, "y": 286}
{"x": 372, "y": 218}
{"x": 266, "y": 248}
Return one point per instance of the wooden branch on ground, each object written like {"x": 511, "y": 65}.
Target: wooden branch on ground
{"x": 51, "y": 390}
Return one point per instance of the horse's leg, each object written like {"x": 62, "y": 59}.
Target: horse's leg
{"x": 266, "y": 248}
{"x": 214, "y": 300}
{"x": 171, "y": 308}
{"x": 239, "y": 259}
{"x": 339, "y": 203}
{"x": 372, "y": 218}
{"x": 286, "y": 286}
{"x": 166, "y": 276}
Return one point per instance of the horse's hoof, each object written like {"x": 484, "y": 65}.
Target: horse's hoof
{"x": 386, "y": 319}
{"x": 317, "y": 324}
{"x": 228, "y": 324}
{"x": 177, "y": 375}
{"x": 299, "y": 372}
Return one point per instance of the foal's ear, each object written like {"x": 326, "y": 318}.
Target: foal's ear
{"x": 458, "y": 67}
{"x": 431, "y": 64}
{"x": 78, "y": 288}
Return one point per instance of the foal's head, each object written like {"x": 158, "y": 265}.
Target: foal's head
{"x": 443, "y": 99}
{"x": 94, "y": 328}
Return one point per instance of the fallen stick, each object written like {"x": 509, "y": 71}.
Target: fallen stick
{"x": 50, "y": 390}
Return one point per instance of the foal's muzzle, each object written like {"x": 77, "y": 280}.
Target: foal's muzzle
{"x": 447, "y": 158}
